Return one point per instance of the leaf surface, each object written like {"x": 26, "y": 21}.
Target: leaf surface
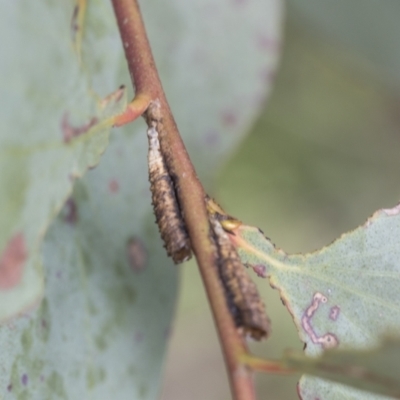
{"x": 342, "y": 296}
{"x": 374, "y": 370}
{"x": 52, "y": 130}
{"x": 102, "y": 327}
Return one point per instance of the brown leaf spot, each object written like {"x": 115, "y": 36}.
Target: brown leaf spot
{"x": 12, "y": 261}
{"x": 212, "y": 138}
{"x": 228, "y": 118}
{"x": 260, "y": 270}
{"x": 69, "y": 132}
{"x": 113, "y": 186}
{"x": 70, "y": 212}
{"x": 334, "y": 313}
{"x": 137, "y": 254}
{"x": 267, "y": 43}
{"x": 328, "y": 340}
{"x": 24, "y": 379}
{"x": 74, "y": 22}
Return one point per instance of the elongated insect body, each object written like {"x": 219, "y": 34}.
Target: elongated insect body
{"x": 165, "y": 203}
{"x": 243, "y": 299}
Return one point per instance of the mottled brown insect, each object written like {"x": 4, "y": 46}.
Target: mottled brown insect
{"x": 242, "y": 295}
{"x": 165, "y": 202}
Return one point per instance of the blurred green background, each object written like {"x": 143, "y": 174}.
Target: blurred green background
{"x": 321, "y": 158}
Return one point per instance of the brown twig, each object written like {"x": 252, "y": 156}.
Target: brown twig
{"x": 190, "y": 191}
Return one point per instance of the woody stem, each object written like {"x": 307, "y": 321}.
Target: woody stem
{"x": 190, "y": 191}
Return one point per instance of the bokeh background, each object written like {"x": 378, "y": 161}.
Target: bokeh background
{"x": 322, "y": 157}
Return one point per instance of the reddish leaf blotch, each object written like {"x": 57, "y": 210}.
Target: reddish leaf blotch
{"x": 137, "y": 254}
{"x": 229, "y": 118}
{"x": 328, "y": 340}
{"x": 260, "y": 270}
{"x": 267, "y": 43}
{"x": 24, "y": 379}
{"x": 12, "y": 261}
{"x": 334, "y": 313}
{"x": 70, "y": 212}
{"x": 69, "y": 132}
{"x": 113, "y": 186}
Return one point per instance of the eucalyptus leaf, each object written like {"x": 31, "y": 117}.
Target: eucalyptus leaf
{"x": 102, "y": 327}
{"x": 51, "y": 132}
{"x": 375, "y": 370}
{"x": 342, "y": 296}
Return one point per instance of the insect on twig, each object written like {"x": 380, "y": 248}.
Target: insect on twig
{"x": 244, "y": 301}
{"x": 165, "y": 203}
{"x": 241, "y": 293}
